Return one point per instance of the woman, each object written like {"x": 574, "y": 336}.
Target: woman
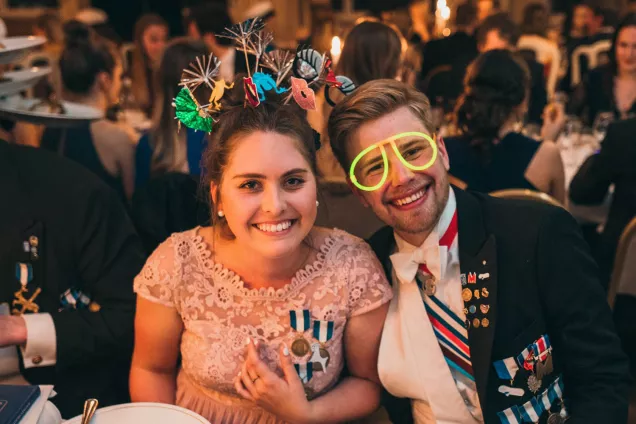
{"x": 242, "y": 297}
{"x": 165, "y": 149}
{"x": 612, "y": 87}
{"x": 151, "y": 35}
{"x": 491, "y": 155}
{"x": 535, "y": 20}
{"x": 91, "y": 74}
{"x": 372, "y": 50}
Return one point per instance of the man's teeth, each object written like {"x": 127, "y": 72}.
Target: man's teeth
{"x": 274, "y": 228}
{"x": 410, "y": 199}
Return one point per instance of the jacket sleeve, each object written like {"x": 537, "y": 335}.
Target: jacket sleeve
{"x": 108, "y": 255}
{"x": 596, "y": 371}
{"x": 591, "y": 183}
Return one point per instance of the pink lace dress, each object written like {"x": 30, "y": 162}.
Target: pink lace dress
{"x": 342, "y": 279}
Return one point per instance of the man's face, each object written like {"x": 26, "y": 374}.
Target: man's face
{"x": 409, "y": 201}
{"x": 494, "y": 41}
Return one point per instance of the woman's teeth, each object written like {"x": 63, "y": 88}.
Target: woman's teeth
{"x": 410, "y": 199}
{"x": 274, "y": 228}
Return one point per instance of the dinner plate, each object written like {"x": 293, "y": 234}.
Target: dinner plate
{"x": 16, "y": 108}
{"x": 141, "y": 413}
{"x": 17, "y": 81}
{"x": 13, "y": 48}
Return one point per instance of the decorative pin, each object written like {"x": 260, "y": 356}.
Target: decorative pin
{"x": 472, "y": 309}
{"x": 323, "y": 331}
{"x": 251, "y": 92}
{"x": 34, "y": 241}
{"x": 484, "y": 308}
{"x": 476, "y": 294}
{"x": 303, "y": 95}
{"x": 26, "y": 247}
{"x": 299, "y": 320}
{"x": 476, "y": 323}
{"x": 534, "y": 384}
{"x": 21, "y": 304}
{"x": 511, "y": 391}
{"x": 467, "y": 294}
{"x": 484, "y": 262}
{"x": 462, "y": 278}
{"x": 484, "y": 276}
{"x": 484, "y": 292}
{"x": 472, "y": 278}
{"x": 430, "y": 286}
{"x": 485, "y": 322}
{"x": 465, "y": 311}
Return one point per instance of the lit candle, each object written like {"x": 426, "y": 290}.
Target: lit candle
{"x": 336, "y": 49}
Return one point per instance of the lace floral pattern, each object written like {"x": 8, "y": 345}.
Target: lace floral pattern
{"x": 341, "y": 280}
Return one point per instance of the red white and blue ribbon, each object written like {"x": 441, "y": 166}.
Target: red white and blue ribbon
{"x": 23, "y": 273}
{"x": 541, "y": 348}
{"x": 323, "y": 330}
{"x": 300, "y": 320}
{"x": 305, "y": 371}
{"x": 506, "y": 368}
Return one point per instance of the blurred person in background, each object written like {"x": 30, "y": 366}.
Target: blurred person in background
{"x": 151, "y": 36}
{"x": 165, "y": 149}
{"x": 498, "y": 31}
{"x": 49, "y": 26}
{"x": 491, "y": 154}
{"x": 91, "y": 75}
{"x": 97, "y": 20}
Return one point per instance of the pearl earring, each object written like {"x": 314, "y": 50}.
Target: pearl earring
{"x": 221, "y": 214}
{"x": 317, "y": 203}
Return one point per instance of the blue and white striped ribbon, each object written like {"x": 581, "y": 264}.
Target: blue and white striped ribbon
{"x": 24, "y": 273}
{"x": 531, "y": 411}
{"x": 323, "y": 330}
{"x": 510, "y": 415}
{"x": 74, "y": 299}
{"x": 521, "y": 358}
{"x": 506, "y": 368}
{"x": 300, "y": 320}
{"x": 305, "y": 371}
{"x": 552, "y": 393}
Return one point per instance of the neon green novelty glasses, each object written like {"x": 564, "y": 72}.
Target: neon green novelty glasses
{"x": 416, "y": 150}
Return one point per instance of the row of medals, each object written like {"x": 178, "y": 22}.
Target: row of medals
{"x": 430, "y": 288}
{"x": 300, "y": 348}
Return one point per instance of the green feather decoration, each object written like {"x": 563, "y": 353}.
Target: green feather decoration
{"x": 190, "y": 113}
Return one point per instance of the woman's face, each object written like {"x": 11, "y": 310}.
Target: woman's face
{"x": 268, "y": 194}
{"x": 582, "y": 18}
{"x": 154, "y": 41}
{"x": 626, "y": 50}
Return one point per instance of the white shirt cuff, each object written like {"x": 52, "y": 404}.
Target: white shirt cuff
{"x": 41, "y": 345}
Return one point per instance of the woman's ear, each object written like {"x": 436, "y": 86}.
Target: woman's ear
{"x": 214, "y": 192}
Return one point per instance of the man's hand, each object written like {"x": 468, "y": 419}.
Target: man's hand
{"x": 13, "y": 331}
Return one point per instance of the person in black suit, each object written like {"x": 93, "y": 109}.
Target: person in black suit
{"x": 614, "y": 164}
{"x": 455, "y": 52}
{"x": 498, "y": 314}
{"x": 500, "y": 32}
{"x": 206, "y": 21}
{"x": 68, "y": 256}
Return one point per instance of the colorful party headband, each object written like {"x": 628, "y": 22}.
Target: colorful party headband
{"x": 306, "y": 69}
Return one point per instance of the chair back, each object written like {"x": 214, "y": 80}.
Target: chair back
{"x": 524, "y": 194}
{"x": 546, "y": 52}
{"x": 593, "y": 53}
{"x": 623, "y": 279}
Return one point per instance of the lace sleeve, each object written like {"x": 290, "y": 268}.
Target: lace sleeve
{"x": 156, "y": 280}
{"x": 367, "y": 283}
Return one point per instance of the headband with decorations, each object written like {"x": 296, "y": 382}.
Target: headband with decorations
{"x": 297, "y": 74}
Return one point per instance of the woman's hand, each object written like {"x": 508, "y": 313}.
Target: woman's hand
{"x": 553, "y": 121}
{"x": 284, "y": 397}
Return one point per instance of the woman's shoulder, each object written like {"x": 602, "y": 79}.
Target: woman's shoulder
{"x": 335, "y": 241}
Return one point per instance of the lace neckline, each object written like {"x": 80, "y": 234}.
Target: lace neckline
{"x": 301, "y": 277}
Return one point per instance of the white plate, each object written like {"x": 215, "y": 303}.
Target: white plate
{"x": 141, "y": 413}
{"x": 17, "y": 109}
{"x": 16, "y": 47}
{"x": 18, "y": 81}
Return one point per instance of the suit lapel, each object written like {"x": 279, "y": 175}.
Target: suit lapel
{"x": 478, "y": 264}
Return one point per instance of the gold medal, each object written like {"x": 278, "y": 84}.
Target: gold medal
{"x": 484, "y": 308}
{"x": 476, "y": 323}
{"x": 485, "y": 322}
{"x": 300, "y": 347}
{"x": 467, "y": 294}
{"x": 484, "y": 292}
{"x": 476, "y": 294}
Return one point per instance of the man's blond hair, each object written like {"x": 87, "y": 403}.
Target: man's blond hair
{"x": 369, "y": 102}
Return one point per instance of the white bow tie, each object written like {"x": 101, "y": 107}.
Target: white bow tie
{"x": 406, "y": 264}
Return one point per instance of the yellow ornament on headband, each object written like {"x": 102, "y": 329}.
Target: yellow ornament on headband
{"x": 385, "y": 160}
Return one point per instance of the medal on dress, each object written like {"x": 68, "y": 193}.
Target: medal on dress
{"x": 545, "y": 368}
{"x": 304, "y": 371}
{"x": 323, "y": 332}
{"x": 430, "y": 286}
{"x": 34, "y": 242}
{"x": 22, "y": 304}
{"x": 534, "y": 384}
{"x": 467, "y": 294}
{"x": 299, "y": 320}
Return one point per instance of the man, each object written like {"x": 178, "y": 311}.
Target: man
{"x": 206, "y": 22}
{"x": 497, "y": 313}
{"x": 454, "y": 53}
{"x": 68, "y": 256}
{"x": 500, "y": 32}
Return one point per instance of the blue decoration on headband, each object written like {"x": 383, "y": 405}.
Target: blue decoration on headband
{"x": 265, "y": 82}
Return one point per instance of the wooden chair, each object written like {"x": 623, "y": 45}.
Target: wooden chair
{"x": 623, "y": 279}
{"x": 546, "y": 53}
{"x": 524, "y": 194}
{"x": 593, "y": 53}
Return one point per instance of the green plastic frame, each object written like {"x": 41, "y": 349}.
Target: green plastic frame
{"x": 381, "y": 145}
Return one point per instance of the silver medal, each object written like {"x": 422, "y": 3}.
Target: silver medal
{"x": 555, "y": 418}
{"x": 534, "y": 384}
